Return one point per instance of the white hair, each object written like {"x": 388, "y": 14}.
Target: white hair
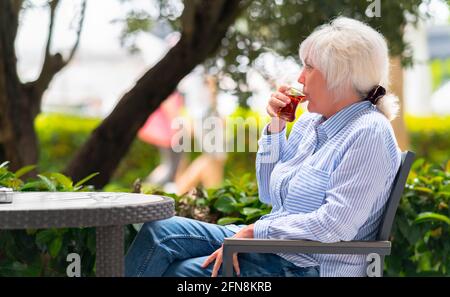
{"x": 351, "y": 55}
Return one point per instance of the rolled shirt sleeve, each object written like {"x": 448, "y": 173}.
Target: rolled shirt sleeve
{"x": 270, "y": 149}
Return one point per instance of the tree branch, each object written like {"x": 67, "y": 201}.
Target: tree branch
{"x": 52, "y": 63}
{"x": 80, "y": 29}
{"x": 188, "y": 18}
{"x": 53, "y": 4}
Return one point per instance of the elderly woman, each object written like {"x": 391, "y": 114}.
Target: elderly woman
{"x": 328, "y": 182}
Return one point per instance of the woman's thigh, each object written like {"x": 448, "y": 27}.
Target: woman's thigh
{"x": 178, "y": 237}
{"x": 251, "y": 265}
{"x": 180, "y": 227}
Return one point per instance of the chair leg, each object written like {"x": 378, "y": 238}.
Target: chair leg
{"x": 227, "y": 265}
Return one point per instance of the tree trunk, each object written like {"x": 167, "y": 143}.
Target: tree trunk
{"x": 21, "y": 103}
{"x": 18, "y": 141}
{"x": 398, "y": 124}
{"x": 204, "y": 25}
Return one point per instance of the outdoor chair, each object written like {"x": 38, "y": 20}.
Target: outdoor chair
{"x": 382, "y": 245}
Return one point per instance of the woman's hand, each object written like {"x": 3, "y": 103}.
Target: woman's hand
{"x": 277, "y": 101}
{"x": 246, "y": 232}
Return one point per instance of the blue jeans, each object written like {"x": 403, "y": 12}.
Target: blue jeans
{"x": 178, "y": 246}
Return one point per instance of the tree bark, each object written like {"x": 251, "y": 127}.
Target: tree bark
{"x": 18, "y": 141}
{"x": 21, "y": 103}
{"x": 204, "y": 25}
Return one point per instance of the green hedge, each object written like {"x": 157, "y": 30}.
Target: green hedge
{"x": 420, "y": 235}
{"x": 60, "y": 136}
{"x": 430, "y": 137}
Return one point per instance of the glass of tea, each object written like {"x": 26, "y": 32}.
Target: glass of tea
{"x": 287, "y": 113}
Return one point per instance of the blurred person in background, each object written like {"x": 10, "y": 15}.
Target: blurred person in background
{"x": 208, "y": 168}
{"x": 158, "y": 132}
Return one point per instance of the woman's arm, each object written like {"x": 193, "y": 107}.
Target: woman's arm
{"x": 274, "y": 147}
{"x": 269, "y": 152}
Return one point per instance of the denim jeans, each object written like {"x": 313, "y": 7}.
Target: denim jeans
{"x": 178, "y": 247}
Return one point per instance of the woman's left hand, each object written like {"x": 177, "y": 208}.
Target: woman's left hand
{"x": 246, "y": 232}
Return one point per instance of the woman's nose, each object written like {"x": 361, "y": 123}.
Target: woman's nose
{"x": 301, "y": 78}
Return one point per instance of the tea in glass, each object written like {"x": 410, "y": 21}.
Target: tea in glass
{"x": 287, "y": 113}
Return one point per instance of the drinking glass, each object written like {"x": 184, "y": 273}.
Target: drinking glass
{"x": 287, "y": 113}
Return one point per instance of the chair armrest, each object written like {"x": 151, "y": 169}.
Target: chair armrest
{"x": 250, "y": 245}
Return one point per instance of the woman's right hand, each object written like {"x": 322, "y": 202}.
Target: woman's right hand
{"x": 277, "y": 101}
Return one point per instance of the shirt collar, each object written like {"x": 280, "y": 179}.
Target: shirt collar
{"x": 336, "y": 122}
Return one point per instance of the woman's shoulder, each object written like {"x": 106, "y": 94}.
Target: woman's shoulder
{"x": 372, "y": 122}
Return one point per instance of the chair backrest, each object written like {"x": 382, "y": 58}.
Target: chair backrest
{"x": 396, "y": 194}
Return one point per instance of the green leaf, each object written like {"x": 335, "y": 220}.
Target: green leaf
{"x": 417, "y": 164}
{"x": 63, "y": 180}
{"x": 255, "y": 216}
{"x": 423, "y": 190}
{"x": 13, "y": 183}
{"x": 248, "y": 200}
{"x": 6, "y": 175}
{"x": 45, "y": 236}
{"x": 225, "y": 204}
{"x": 431, "y": 216}
{"x": 424, "y": 180}
{"x": 228, "y": 220}
{"x": 55, "y": 247}
{"x": 443, "y": 194}
{"x": 24, "y": 170}
{"x": 48, "y": 183}
{"x": 34, "y": 185}
{"x": 437, "y": 179}
{"x": 86, "y": 179}
{"x": 250, "y": 211}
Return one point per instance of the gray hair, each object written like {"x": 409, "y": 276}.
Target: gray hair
{"x": 351, "y": 54}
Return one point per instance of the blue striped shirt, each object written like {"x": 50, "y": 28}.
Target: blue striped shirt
{"x": 328, "y": 182}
